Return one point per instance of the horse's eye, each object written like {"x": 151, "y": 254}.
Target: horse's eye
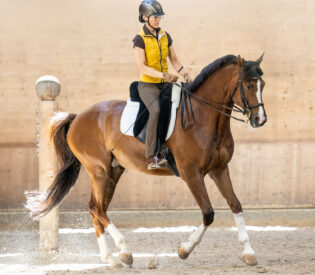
{"x": 249, "y": 86}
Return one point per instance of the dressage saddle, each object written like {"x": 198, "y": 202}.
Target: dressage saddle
{"x": 140, "y": 126}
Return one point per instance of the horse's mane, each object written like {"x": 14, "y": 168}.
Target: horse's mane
{"x": 209, "y": 69}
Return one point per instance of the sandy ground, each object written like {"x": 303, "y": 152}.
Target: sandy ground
{"x": 284, "y": 252}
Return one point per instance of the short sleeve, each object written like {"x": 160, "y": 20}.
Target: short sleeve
{"x": 138, "y": 42}
{"x": 169, "y": 38}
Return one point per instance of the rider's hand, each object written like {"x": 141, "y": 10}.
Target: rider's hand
{"x": 187, "y": 78}
{"x": 169, "y": 77}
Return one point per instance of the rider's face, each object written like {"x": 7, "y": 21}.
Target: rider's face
{"x": 154, "y": 20}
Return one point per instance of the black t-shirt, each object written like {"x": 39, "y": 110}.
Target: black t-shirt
{"x": 138, "y": 41}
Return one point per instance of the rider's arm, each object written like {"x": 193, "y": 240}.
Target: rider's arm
{"x": 175, "y": 62}
{"x": 140, "y": 59}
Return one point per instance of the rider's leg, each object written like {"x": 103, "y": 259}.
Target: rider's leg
{"x": 150, "y": 95}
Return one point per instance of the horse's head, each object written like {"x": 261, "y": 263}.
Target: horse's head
{"x": 248, "y": 91}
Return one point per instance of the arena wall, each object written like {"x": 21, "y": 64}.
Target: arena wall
{"x": 87, "y": 45}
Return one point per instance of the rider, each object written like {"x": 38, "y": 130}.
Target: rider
{"x": 152, "y": 46}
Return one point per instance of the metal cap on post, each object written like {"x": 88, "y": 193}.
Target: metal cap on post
{"x": 47, "y": 88}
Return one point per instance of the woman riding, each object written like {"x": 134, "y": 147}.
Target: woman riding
{"x": 152, "y": 46}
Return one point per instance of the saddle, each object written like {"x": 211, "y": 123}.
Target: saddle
{"x": 135, "y": 118}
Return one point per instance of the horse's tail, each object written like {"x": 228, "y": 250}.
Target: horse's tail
{"x": 40, "y": 203}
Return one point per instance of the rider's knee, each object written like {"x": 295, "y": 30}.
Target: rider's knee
{"x": 154, "y": 115}
{"x": 155, "y": 110}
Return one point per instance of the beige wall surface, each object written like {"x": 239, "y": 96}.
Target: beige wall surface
{"x": 87, "y": 45}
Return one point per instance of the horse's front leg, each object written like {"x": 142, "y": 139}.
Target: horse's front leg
{"x": 222, "y": 180}
{"x": 197, "y": 186}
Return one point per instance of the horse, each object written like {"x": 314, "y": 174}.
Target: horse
{"x": 203, "y": 149}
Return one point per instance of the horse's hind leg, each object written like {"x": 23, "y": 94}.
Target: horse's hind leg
{"x": 222, "y": 180}
{"x": 124, "y": 255}
{"x": 103, "y": 187}
{"x": 97, "y": 207}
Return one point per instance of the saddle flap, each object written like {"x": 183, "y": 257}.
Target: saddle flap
{"x": 128, "y": 117}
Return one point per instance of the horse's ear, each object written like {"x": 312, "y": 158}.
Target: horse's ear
{"x": 260, "y": 58}
{"x": 240, "y": 61}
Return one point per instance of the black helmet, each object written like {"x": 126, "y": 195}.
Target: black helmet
{"x": 148, "y": 8}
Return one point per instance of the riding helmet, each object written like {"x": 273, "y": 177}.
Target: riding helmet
{"x": 148, "y": 8}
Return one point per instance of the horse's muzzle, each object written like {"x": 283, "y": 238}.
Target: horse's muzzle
{"x": 258, "y": 121}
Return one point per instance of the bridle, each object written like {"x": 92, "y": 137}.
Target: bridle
{"x": 247, "y": 108}
{"x": 187, "y": 94}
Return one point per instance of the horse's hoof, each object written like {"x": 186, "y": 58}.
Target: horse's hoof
{"x": 117, "y": 265}
{"x": 109, "y": 259}
{"x": 126, "y": 258}
{"x": 182, "y": 253}
{"x": 152, "y": 264}
{"x": 249, "y": 259}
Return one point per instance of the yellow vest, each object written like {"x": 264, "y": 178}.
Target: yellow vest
{"x": 156, "y": 52}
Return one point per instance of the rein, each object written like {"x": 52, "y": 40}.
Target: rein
{"x": 187, "y": 94}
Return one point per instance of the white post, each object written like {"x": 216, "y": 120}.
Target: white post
{"x": 47, "y": 88}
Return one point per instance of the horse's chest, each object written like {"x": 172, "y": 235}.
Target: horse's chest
{"x": 219, "y": 157}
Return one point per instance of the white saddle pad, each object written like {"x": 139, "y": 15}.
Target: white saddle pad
{"x": 131, "y": 109}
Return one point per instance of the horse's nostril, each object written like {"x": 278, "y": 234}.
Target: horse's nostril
{"x": 260, "y": 119}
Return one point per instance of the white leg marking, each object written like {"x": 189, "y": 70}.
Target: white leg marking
{"x": 106, "y": 255}
{"x": 261, "y": 112}
{"x": 118, "y": 238}
{"x": 194, "y": 238}
{"x": 242, "y": 233}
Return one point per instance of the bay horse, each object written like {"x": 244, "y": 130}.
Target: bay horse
{"x": 204, "y": 149}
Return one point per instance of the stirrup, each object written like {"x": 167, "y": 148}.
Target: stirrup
{"x": 162, "y": 162}
{"x": 153, "y": 166}
{"x": 158, "y": 163}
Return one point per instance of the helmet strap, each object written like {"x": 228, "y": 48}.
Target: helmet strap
{"x": 148, "y": 21}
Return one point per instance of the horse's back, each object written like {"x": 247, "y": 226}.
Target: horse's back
{"x": 106, "y": 108}
{"x": 100, "y": 111}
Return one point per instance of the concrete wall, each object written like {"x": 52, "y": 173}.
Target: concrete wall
{"x": 88, "y": 46}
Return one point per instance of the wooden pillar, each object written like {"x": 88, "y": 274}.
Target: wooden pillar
{"x": 47, "y": 88}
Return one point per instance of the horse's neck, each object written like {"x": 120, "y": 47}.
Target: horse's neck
{"x": 217, "y": 88}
